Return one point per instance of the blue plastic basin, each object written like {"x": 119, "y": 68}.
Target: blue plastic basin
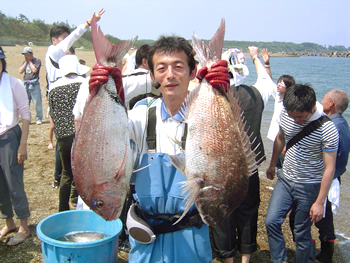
{"x": 57, "y": 225}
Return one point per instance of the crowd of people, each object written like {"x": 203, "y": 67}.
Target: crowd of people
{"x": 310, "y": 150}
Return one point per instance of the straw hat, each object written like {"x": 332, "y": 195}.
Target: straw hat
{"x": 70, "y": 64}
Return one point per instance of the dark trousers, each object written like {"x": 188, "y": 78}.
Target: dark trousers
{"x": 325, "y": 225}
{"x": 58, "y": 165}
{"x": 65, "y": 146}
{"x": 239, "y": 230}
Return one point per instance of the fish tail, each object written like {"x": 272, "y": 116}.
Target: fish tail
{"x": 208, "y": 54}
{"x": 107, "y": 53}
{"x": 192, "y": 188}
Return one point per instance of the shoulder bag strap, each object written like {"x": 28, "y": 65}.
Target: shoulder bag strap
{"x": 307, "y": 130}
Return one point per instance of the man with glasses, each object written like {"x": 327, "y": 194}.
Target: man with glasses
{"x": 306, "y": 175}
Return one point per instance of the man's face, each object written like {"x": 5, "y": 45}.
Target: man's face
{"x": 55, "y": 41}
{"x": 327, "y": 103}
{"x": 173, "y": 74}
{"x": 300, "y": 117}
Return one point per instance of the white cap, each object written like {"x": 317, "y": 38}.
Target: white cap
{"x": 27, "y": 50}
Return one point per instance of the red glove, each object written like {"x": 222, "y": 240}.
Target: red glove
{"x": 99, "y": 76}
{"x": 217, "y": 75}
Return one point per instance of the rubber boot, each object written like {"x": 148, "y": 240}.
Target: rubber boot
{"x": 327, "y": 250}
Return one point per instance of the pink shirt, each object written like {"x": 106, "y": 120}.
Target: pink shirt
{"x": 20, "y": 104}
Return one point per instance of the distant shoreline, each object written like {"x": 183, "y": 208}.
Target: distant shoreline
{"x": 342, "y": 54}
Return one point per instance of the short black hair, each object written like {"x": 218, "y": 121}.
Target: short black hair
{"x": 169, "y": 44}
{"x": 56, "y": 31}
{"x": 4, "y": 65}
{"x": 287, "y": 79}
{"x": 141, "y": 53}
{"x": 299, "y": 97}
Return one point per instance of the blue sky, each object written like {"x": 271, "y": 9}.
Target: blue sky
{"x": 319, "y": 21}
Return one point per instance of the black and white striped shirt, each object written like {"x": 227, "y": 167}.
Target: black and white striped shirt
{"x": 303, "y": 162}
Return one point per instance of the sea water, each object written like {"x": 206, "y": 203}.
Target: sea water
{"x": 323, "y": 74}
{"x": 82, "y": 236}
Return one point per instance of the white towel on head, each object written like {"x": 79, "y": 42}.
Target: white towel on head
{"x": 6, "y": 100}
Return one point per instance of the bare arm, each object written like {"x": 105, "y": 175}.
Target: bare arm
{"x": 278, "y": 146}
{"x": 22, "y": 149}
{"x": 316, "y": 211}
{"x": 32, "y": 67}
{"x": 22, "y": 68}
{"x": 254, "y": 53}
{"x": 266, "y": 58}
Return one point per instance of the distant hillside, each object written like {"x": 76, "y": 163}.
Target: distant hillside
{"x": 20, "y": 30}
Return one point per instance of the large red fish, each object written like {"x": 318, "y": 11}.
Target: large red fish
{"x": 218, "y": 157}
{"x": 102, "y": 156}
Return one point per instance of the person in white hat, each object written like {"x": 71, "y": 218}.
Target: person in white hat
{"x": 31, "y": 69}
{"x": 62, "y": 98}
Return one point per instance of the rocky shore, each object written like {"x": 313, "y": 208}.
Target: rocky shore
{"x": 342, "y": 54}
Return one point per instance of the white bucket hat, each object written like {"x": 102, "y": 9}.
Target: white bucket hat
{"x": 70, "y": 64}
{"x": 236, "y": 65}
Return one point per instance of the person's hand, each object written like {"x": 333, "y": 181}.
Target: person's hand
{"x": 271, "y": 172}
{"x": 316, "y": 212}
{"x": 97, "y": 15}
{"x": 99, "y": 76}
{"x": 21, "y": 153}
{"x": 254, "y": 52}
{"x": 284, "y": 151}
{"x": 217, "y": 75}
{"x": 265, "y": 56}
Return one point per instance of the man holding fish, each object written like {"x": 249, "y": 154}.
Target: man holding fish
{"x": 157, "y": 127}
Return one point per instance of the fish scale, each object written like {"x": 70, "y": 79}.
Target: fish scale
{"x": 99, "y": 153}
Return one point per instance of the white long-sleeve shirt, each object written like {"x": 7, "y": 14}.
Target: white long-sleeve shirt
{"x": 55, "y": 52}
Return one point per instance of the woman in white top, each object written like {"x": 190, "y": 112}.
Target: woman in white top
{"x": 283, "y": 83}
{"x": 13, "y": 153}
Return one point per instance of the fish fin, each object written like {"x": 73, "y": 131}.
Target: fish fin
{"x": 217, "y": 41}
{"x": 192, "y": 188}
{"x": 174, "y": 140}
{"x": 190, "y": 98}
{"x": 208, "y": 54}
{"x": 179, "y": 161}
{"x": 246, "y": 139}
{"x": 106, "y": 53}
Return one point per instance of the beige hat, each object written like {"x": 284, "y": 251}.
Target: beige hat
{"x": 70, "y": 64}
{"x": 27, "y": 50}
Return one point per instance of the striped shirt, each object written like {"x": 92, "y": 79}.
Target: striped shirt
{"x": 304, "y": 160}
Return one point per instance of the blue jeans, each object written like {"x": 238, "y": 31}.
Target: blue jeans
{"x": 34, "y": 93}
{"x": 285, "y": 195}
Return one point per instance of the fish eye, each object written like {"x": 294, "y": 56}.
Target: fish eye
{"x": 98, "y": 203}
{"x": 224, "y": 206}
